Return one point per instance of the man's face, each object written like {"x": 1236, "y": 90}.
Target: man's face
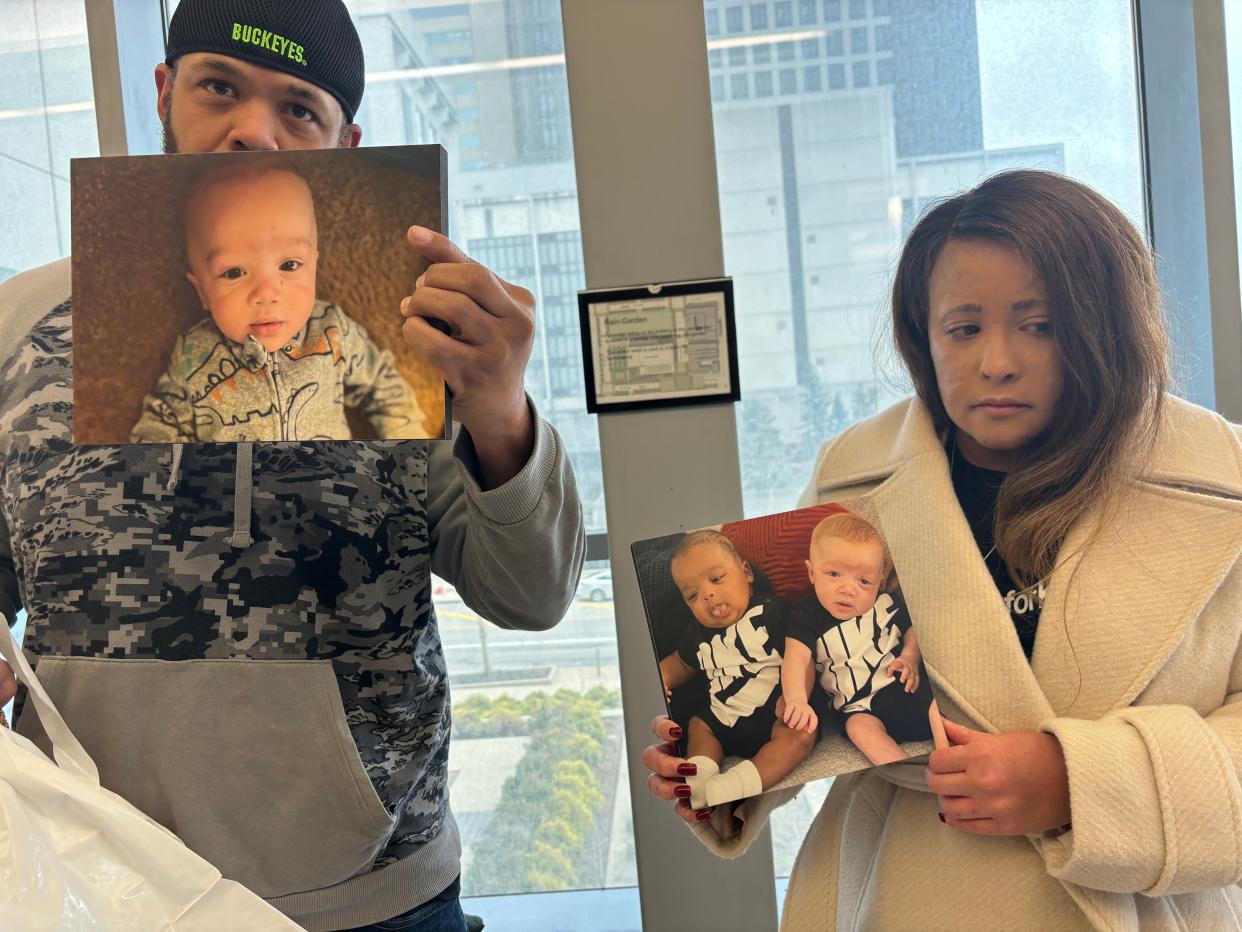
{"x": 714, "y": 583}
{"x": 846, "y": 575}
{"x": 252, "y": 246}
{"x": 221, "y": 104}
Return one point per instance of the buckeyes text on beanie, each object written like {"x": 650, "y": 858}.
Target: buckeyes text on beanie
{"x": 314, "y": 40}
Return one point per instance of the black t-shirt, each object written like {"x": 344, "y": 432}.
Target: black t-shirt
{"x": 977, "y": 490}
{"x": 742, "y": 661}
{"x": 851, "y": 657}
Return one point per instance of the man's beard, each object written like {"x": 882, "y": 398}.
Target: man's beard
{"x": 170, "y": 141}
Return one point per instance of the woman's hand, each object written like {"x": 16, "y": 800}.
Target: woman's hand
{"x": 906, "y": 672}
{"x": 1013, "y": 783}
{"x": 669, "y": 771}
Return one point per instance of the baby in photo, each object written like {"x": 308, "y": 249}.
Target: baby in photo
{"x": 736, "y": 640}
{"x": 270, "y": 361}
{"x": 857, "y": 637}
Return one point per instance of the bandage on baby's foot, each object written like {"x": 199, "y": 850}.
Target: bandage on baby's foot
{"x": 738, "y": 782}
{"x": 708, "y": 769}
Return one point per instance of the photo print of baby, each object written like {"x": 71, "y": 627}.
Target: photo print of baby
{"x": 233, "y": 297}
{"x": 785, "y": 649}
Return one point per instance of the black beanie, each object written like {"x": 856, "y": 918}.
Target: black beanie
{"x": 311, "y": 39}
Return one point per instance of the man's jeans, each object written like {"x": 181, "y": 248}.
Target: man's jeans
{"x": 443, "y": 914}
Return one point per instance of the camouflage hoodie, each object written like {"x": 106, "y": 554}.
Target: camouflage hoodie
{"x": 242, "y": 636}
{"x": 215, "y": 389}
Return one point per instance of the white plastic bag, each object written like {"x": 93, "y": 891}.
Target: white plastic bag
{"x": 75, "y": 856}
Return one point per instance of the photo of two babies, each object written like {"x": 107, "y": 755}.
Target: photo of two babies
{"x": 785, "y": 649}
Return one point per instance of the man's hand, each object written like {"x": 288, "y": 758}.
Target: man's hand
{"x": 799, "y": 716}
{"x": 906, "y": 672}
{"x": 483, "y": 356}
{"x": 1013, "y": 783}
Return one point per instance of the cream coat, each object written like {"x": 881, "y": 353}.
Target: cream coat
{"x": 1137, "y": 670}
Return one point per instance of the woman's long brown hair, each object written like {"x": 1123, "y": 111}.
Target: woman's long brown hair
{"x": 1107, "y": 320}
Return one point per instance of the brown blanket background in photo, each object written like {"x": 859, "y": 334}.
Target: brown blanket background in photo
{"x": 131, "y": 299}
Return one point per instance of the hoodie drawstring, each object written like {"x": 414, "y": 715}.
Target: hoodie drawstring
{"x": 243, "y": 486}
{"x": 174, "y": 468}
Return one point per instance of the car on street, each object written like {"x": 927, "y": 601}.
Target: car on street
{"x": 596, "y": 586}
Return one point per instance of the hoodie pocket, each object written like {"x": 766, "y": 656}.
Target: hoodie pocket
{"x": 249, "y": 762}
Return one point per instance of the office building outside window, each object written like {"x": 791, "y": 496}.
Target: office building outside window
{"x": 47, "y": 117}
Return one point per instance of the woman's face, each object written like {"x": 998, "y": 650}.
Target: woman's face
{"x": 997, "y": 364}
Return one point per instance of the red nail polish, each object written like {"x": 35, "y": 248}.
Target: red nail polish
{"x": 940, "y": 815}
{"x": 702, "y": 815}
{"x": 682, "y": 791}
{"x": 688, "y": 770}
{"x": 676, "y": 733}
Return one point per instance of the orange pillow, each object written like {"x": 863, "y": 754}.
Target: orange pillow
{"x": 779, "y": 545}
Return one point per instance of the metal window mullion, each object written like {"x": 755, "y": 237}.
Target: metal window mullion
{"x": 644, "y": 152}
{"x": 126, "y": 39}
{"x": 1185, "y": 117}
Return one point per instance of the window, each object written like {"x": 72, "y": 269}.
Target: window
{"x": 737, "y": 55}
{"x": 858, "y": 9}
{"x": 812, "y": 79}
{"x": 715, "y": 58}
{"x": 47, "y": 117}
{"x": 713, "y": 22}
{"x": 740, "y": 86}
{"x": 763, "y": 54}
{"x": 784, "y": 51}
{"x": 883, "y": 38}
{"x": 834, "y": 43}
{"x": 513, "y": 207}
{"x": 763, "y": 84}
{"x": 881, "y": 7}
{"x": 759, "y": 16}
{"x": 733, "y": 19}
{"x": 806, "y": 12}
{"x": 858, "y": 40}
{"x": 810, "y": 48}
{"x": 1233, "y": 50}
{"x": 838, "y": 167}
{"x": 832, "y": 11}
{"x": 717, "y": 87}
{"x": 784, "y": 14}
{"x": 789, "y": 81}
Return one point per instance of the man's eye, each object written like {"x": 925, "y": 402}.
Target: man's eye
{"x": 290, "y": 265}
{"x": 219, "y": 88}
{"x": 233, "y": 274}
{"x": 303, "y": 114}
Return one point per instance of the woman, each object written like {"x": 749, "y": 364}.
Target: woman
{"x": 1040, "y": 481}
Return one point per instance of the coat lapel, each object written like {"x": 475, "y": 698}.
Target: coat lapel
{"x": 1099, "y": 642}
{"x": 1116, "y": 610}
{"x": 968, "y": 640}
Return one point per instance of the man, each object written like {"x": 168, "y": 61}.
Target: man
{"x": 242, "y": 636}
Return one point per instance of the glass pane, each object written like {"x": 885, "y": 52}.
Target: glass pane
{"x": 819, "y": 186}
{"x": 47, "y": 117}
{"x": 534, "y": 714}
{"x": 1233, "y": 54}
